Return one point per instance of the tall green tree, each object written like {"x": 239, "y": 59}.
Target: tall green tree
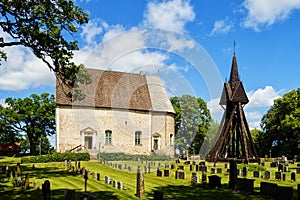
{"x": 47, "y": 28}
{"x": 281, "y": 126}
{"x": 34, "y": 116}
{"x": 192, "y": 120}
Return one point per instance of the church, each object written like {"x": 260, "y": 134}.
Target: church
{"x": 121, "y": 112}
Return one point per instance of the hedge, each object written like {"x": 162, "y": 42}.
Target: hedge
{"x": 56, "y": 157}
{"x": 126, "y": 157}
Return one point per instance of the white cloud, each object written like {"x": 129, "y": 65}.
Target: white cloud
{"x": 262, "y": 97}
{"x": 2, "y": 102}
{"x": 23, "y": 70}
{"x": 259, "y": 101}
{"x": 221, "y": 27}
{"x": 91, "y": 30}
{"x": 169, "y": 14}
{"x": 267, "y": 12}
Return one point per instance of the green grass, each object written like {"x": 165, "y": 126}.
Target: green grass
{"x": 60, "y": 178}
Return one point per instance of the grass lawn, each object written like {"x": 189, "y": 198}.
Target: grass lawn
{"x": 61, "y": 178}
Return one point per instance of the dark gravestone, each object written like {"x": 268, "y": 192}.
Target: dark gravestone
{"x": 256, "y": 174}
{"x": 120, "y": 186}
{"x": 181, "y": 175}
{"x": 19, "y": 169}
{"x": 214, "y": 181}
{"x": 245, "y": 185}
{"x": 140, "y": 190}
{"x": 267, "y": 175}
{"x": 285, "y": 193}
{"x": 245, "y": 171}
{"x": 187, "y": 162}
{"x": 158, "y": 195}
{"x": 268, "y": 188}
{"x": 202, "y": 163}
{"x": 298, "y": 170}
{"x": 232, "y": 173}
{"x": 181, "y": 167}
{"x": 219, "y": 170}
{"x": 280, "y": 167}
{"x": 262, "y": 164}
{"x": 98, "y": 176}
{"x": 212, "y": 170}
{"x": 273, "y": 164}
{"x": 69, "y": 194}
{"x": 159, "y": 173}
{"x": 173, "y": 166}
{"x": 225, "y": 165}
{"x": 293, "y": 176}
{"x": 167, "y": 173}
{"x": 191, "y": 167}
{"x": 278, "y": 176}
{"x": 197, "y": 168}
{"x": 26, "y": 186}
{"x": 285, "y": 168}
{"x": 78, "y": 165}
{"x": 176, "y": 174}
{"x": 204, "y": 178}
{"x": 46, "y": 190}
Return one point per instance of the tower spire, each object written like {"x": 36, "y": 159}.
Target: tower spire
{"x": 234, "y": 74}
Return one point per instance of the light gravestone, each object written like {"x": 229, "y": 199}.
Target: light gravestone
{"x": 106, "y": 179}
{"x": 195, "y": 178}
{"x": 140, "y": 190}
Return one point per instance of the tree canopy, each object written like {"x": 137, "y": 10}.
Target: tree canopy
{"x": 281, "y": 127}
{"x": 33, "y": 116}
{"x": 192, "y": 120}
{"x": 43, "y": 26}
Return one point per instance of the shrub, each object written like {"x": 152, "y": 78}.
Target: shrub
{"x": 252, "y": 167}
{"x": 126, "y": 157}
{"x": 56, "y": 157}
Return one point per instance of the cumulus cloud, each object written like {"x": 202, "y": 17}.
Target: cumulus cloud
{"x": 262, "y": 97}
{"x": 23, "y": 70}
{"x": 260, "y": 101}
{"x": 263, "y": 13}
{"x": 169, "y": 14}
{"x": 221, "y": 27}
{"x": 91, "y": 30}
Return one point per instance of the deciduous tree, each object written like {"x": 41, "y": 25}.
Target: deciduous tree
{"x": 43, "y": 26}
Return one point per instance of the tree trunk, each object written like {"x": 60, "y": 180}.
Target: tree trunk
{"x": 32, "y": 147}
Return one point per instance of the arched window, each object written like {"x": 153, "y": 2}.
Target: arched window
{"x": 108, "y": 134}
{"x": 171, "y": 139}
{"x": 137, "y": 137}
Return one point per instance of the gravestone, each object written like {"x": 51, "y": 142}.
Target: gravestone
{"x": 268, "y": 188}
{"x": 204, "y": 178}
{"x": 293, "y": 176}
{"x": 273, "y": 164}
{"x": 285, "y": 168}
{"x": 176, "y": 174}
{"x": 78, "y": 165}
{"x": 214, "y": 181}
{"x": 245, "y": 172}
{"x": 219, "y": 170}
{"x": 226, "y": 165}
{"x": 106, "y": 179}
{"x": 167, "y": 173}
{"x": 267, "y": 175}
{"x": 46, "y": 190}
{"x": 181, "y": 167}
{"x": 115, "y": 183}
{"x": 145, "y": 170}
{"x": 232, "y": 173}
{"x": 120, "y": 186}
{"x": 34, "y": 184}
{"x": 149, "y": 170}
{"x": 256, "y": 174}
{"x": 167, "y": 165}
{"x": 197, "y": 168}
{"x": 140, "y": 191}
{"x": 278, "y": 176}
{"x": 212, "y": 170}
{"x": 285, "y": 193}
{"x": 280, "y": 167}
{"x": 120, "y": 166}
{"x": 187, "y": 162}
{"x": 26, "y": 186}
{"x": 158, "y": 195}
{"x": 19, "y": 169}
{"x": 98, "y": 176}
{"x": 262, "y": 164}
{"x": 191, "y": 167}
{"x": 69, "y": 194}
{"x": 86, "y": 176}
{"x": 283, "y": 177}
{"x": 173, "y": 166}
{"x": 181, "y": 175}
{"x": 66, "y": 162}
{"x": 202, "y": 163}
{"x": 195, "y": 178}
{"x": 298, "y": 170}
{"x": 159, "y": 173}
{"x": 245, "y": 185}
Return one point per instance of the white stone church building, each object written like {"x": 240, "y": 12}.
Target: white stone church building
{"x": 122, "y": 112}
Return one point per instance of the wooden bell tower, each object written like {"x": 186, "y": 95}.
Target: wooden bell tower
{"x": 235, "y": 141}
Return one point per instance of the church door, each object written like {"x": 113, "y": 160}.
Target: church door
{"x": 155, "y": 145}
{"x": 88, "y": 142}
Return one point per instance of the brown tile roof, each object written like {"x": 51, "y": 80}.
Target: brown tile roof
{"x": 110, "y": 89}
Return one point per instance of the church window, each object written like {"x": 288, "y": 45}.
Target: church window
{"x": 138, "y": 137}
{"x": 108, "y": 134}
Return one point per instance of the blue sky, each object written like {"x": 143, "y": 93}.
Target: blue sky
{"x": 189, "y": 44}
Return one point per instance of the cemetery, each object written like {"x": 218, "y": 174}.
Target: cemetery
{"x": 167, "y": 179}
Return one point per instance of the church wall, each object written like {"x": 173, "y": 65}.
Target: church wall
{"x": 73, "y": 123}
